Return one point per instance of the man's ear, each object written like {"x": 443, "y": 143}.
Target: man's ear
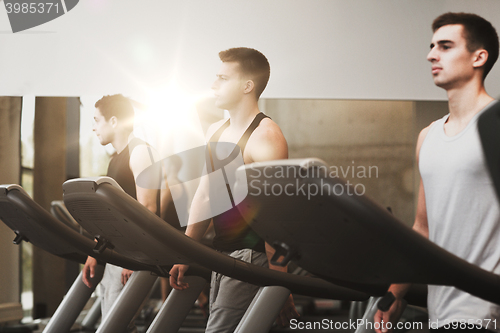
{"x": 113, "y": 121}
{"x": 480, "y": 58}
{"x": 249, "y": 86}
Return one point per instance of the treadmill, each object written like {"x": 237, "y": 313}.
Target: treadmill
{"x": 105, "y": 210}
{"x": 30, "y": 222}
{"x": 326, "y": 227}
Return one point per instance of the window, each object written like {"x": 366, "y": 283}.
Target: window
{"x": 27, "y": 158}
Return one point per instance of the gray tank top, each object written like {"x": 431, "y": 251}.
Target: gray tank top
{"x": 463, "y": 214}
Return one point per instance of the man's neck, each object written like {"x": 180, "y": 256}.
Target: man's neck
{"x": 243, "y": 114}
{"x": 466, "y": 101}
{"x": 121, "y": 141}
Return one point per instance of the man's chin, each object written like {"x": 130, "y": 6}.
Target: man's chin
{"x": 439, "y": 83}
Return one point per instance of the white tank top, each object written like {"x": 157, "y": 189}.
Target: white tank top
{"x": 463, "y": 214}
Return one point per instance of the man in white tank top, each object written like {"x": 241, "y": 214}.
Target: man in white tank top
{"x": 457, "y": 205}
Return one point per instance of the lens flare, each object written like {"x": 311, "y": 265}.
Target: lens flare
{"x": 170, "y": 118}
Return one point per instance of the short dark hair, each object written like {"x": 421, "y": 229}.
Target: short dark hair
{"x": 252, "y": 63}
{"x": 478, "y": 33}
{"x": 118, "y": 106}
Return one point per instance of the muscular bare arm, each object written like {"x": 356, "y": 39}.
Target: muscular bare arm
{"x": 268, "y": 143}
{"x": 197, "y": 223}
{"x": 141, "y": 158}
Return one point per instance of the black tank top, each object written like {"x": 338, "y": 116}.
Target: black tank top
{"x": 231, "y": 231}
{"x": 119, "y": 170}
{"x": 171, "y": 215}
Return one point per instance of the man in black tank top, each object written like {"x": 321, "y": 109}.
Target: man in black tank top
{"x": 241, "y": 80}
{"x": 114, "y": 121}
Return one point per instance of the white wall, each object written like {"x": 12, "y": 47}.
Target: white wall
{"x": 362, "y": 49}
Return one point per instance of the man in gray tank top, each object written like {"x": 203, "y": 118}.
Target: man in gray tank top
{"x": 457, "y": 205}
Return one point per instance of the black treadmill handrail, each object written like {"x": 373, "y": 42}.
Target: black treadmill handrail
{"x": 55, "y": 231}
{"x": 434, "y": 264}
{"x": 192, "y": 251}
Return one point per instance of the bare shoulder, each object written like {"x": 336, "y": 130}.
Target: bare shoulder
{"x": 268, "y": 130}
{"x": 213, "y": 128}
{"x": 143, "y": 151}
{"x": 141, "y": 157}
{"x": 267, "y": 142}
{"x": 421, "y": 138}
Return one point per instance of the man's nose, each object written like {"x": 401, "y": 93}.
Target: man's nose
{"x": 432, "y": 55}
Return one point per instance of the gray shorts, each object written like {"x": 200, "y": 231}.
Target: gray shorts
{"x": 230, "y": 298}
{"x": 111, "y": 287}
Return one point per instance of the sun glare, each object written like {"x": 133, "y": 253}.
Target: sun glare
{"x": 169, "y": 116}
